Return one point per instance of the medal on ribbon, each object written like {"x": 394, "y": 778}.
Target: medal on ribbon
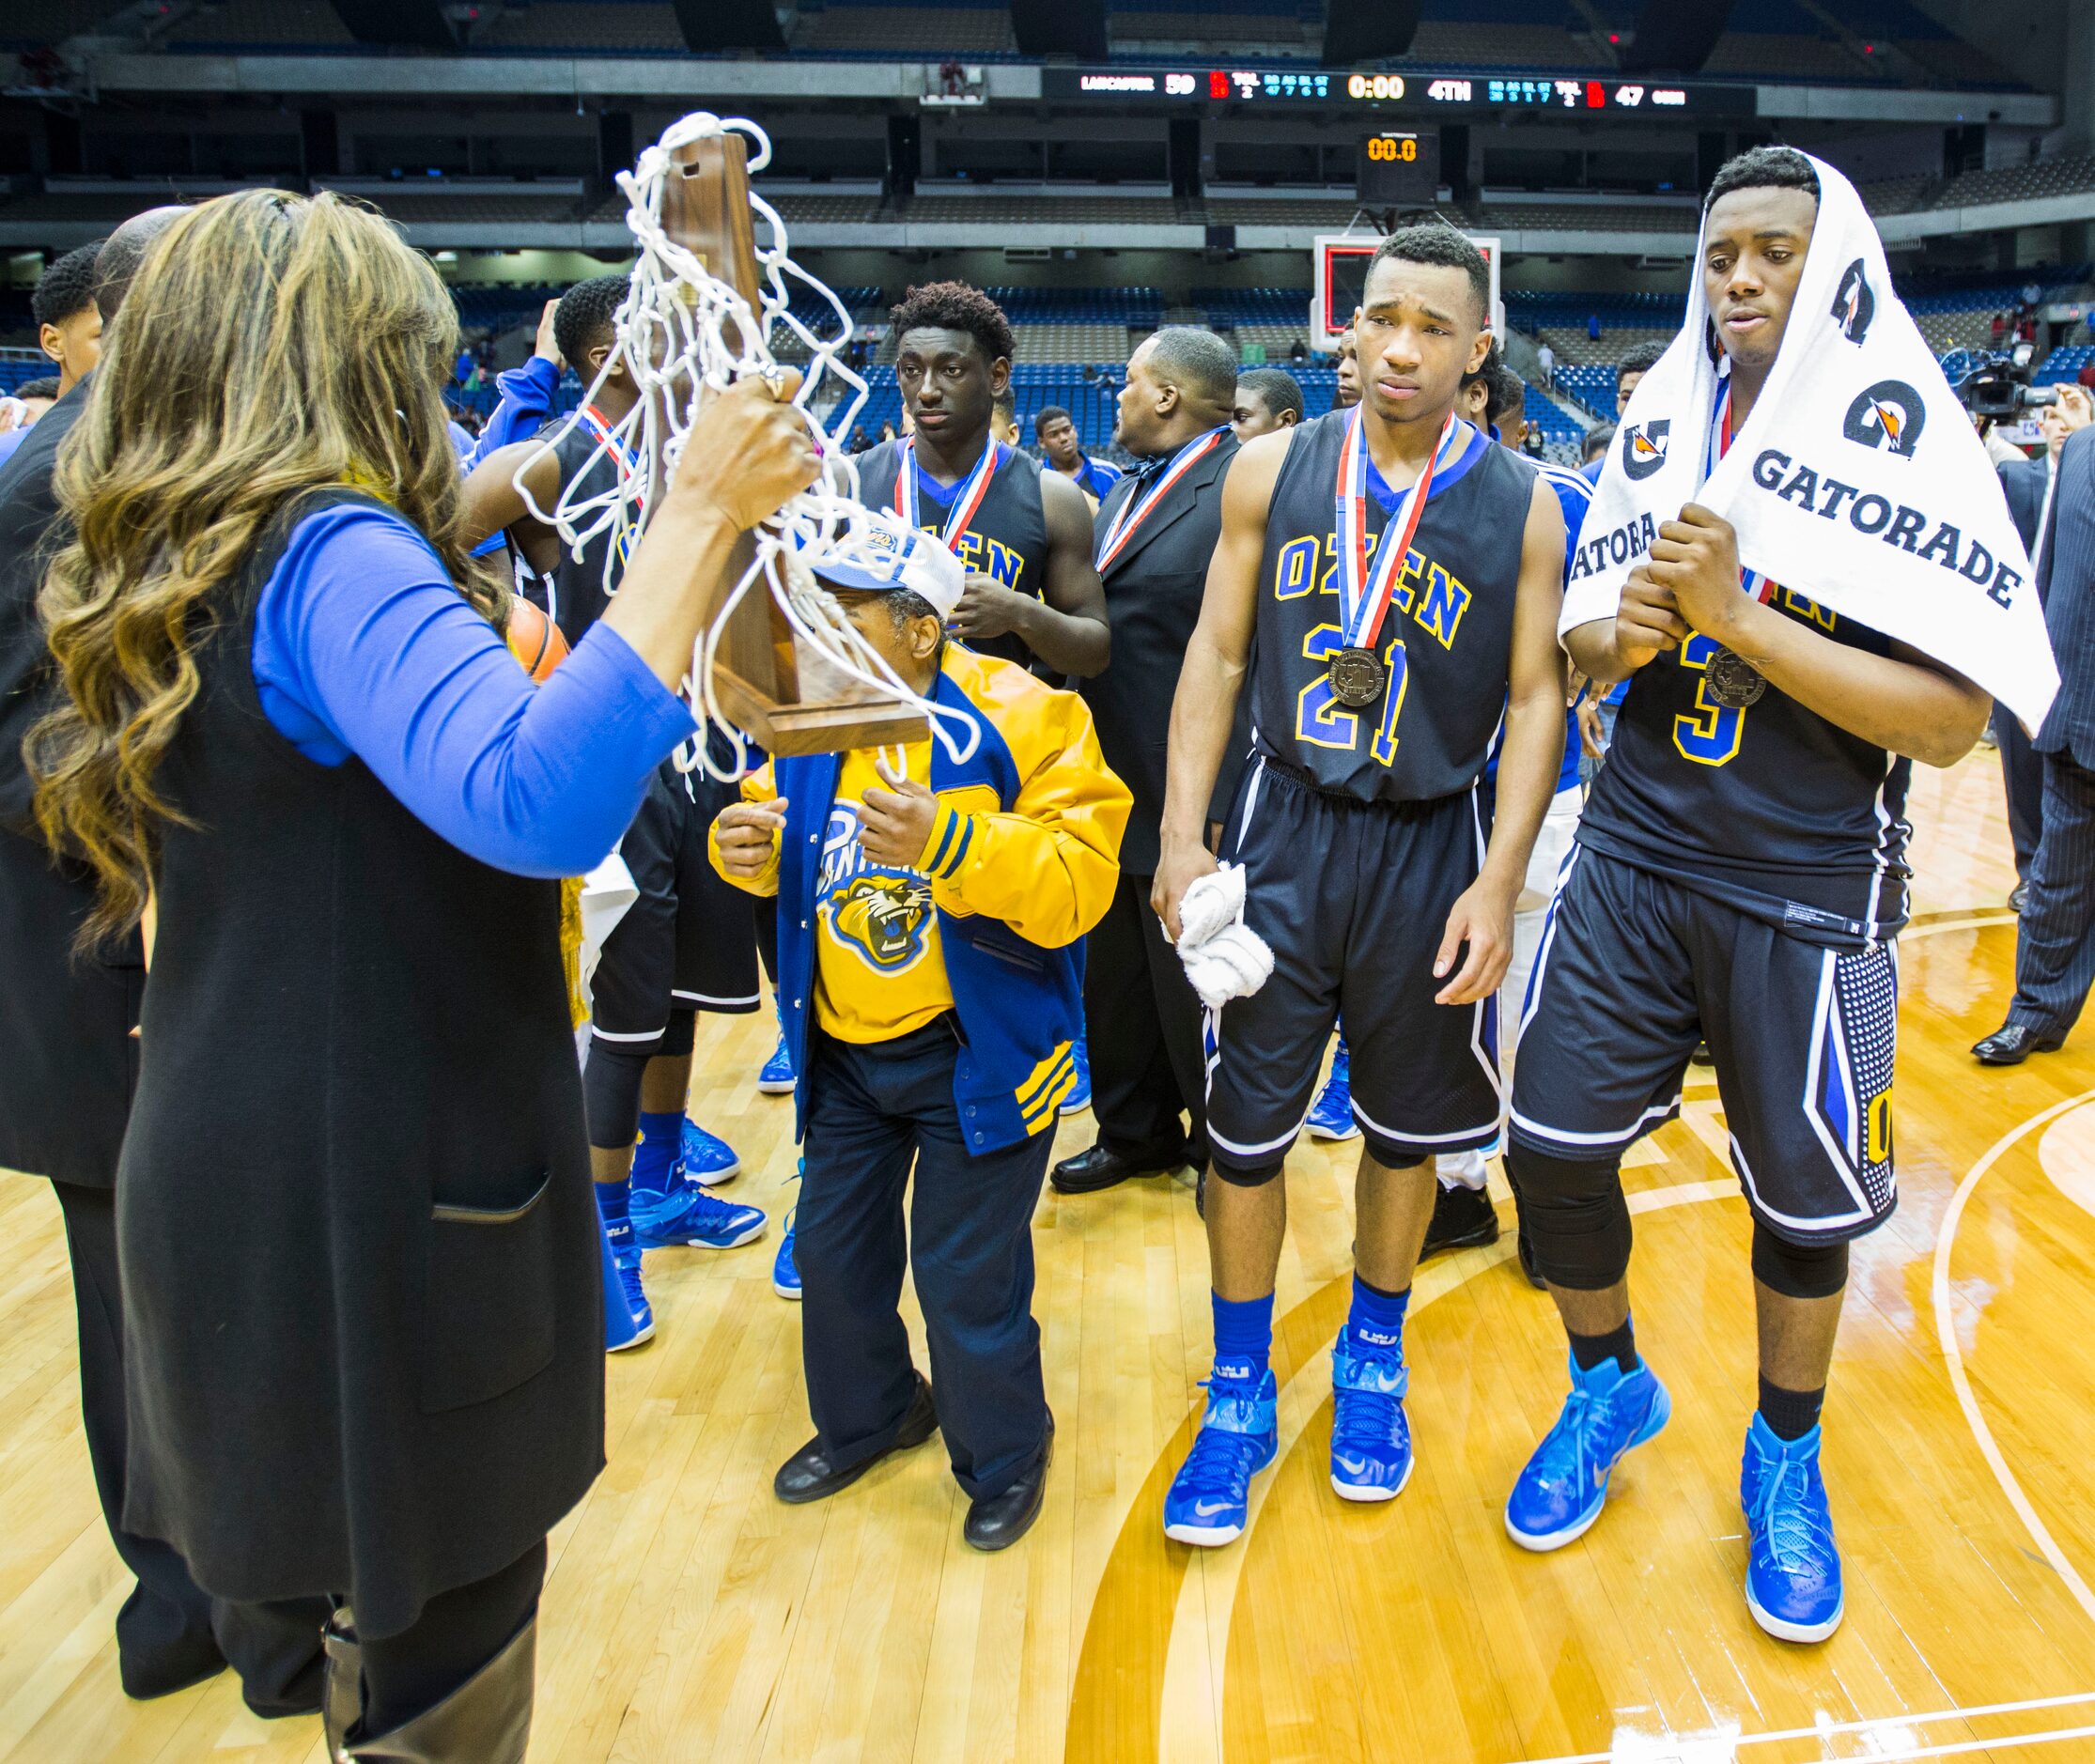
{"x": 972, "y": 490}
{"x": 1136, "y": 509}
{"x": 1731, "y": 680}
{"x": 1367, "y": 580}
{"x": 626, "y": 536}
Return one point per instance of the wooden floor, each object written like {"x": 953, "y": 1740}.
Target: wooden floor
{"x": 690, "y": 1617}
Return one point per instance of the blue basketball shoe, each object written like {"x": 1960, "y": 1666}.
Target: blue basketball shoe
{"x": 785, "y": 1271}
{"x": 1080, "y": 1099}
{"x": 1564, "y": 1485}
{"x": 1371, "y": 1439}
{"x": 687, "y": 1217}
{"x": 1793, "y": 1568}
{"x": 625, "y": 1284}
{"x": 706, "y": 1158}
{"x": 776, "y": 1075}
{"x": 1331, "y": 1114}
{"x": 1210, "y": 1498}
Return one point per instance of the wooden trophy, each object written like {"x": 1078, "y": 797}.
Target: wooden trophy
{"x": 791, "y": 699}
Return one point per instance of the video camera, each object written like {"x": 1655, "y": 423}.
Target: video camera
{"x": 1999, "y": 386}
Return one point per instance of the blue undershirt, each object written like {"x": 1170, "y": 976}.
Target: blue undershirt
{"x": 363, "y": 647}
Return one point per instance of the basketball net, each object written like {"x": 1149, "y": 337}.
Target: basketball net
{"x": 683, "y": 333}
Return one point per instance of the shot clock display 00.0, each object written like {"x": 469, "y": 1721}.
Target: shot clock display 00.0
{"x": 1399, "y": 168}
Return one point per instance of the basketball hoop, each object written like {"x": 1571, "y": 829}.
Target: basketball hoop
{"x": 780, "y": 663}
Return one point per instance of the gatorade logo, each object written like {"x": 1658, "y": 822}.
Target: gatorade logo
{"x": 1853, "y": 304}
{"x": 1888, "y": 414}
{"x": 1644, "y": 446}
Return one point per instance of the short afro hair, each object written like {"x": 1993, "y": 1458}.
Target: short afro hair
{"x": 1597, "y": 441}
{"x": 1762, "y": 168}
{"x": 956, "y": 307}
{"x": 45, "y": 386}
{"x": 67, "y": 288}
{"x": 1640, "y": 359}
{"x": 1278, "y": 390}
{"x": 1197, "y": 362}
{"x": 587, "y": 314}
{"x": 1050, "y": 414}
{"x": 1441, "y": 244}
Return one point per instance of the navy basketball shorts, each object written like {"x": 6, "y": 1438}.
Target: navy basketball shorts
{"x": 689, "y": 942}
{"x": 1354, "y": 897}
{"x": 1635, "y": 969}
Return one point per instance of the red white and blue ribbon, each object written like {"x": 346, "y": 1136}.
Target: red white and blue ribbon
{"x": 627, "y": 537}
{"x": 1367, "y": 581}
{"x": 964, "y": 504}
{"x": 1751, "y": 580}
{"x": 1136, "y": 509}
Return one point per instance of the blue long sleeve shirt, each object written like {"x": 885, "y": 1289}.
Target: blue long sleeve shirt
{"x": 527, "y": 395}
{"x": 362, "y": 647}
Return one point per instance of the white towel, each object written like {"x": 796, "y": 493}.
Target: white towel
{"x": 1857, "y": 479}
{"x": 1224, "y": 956}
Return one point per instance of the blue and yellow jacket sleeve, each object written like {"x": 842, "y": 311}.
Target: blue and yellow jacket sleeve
{"x": 1048, "y": 864}
{"x": 759, "y": 786}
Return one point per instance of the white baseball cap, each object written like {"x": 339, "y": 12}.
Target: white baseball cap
{"x": 875, "y": 552}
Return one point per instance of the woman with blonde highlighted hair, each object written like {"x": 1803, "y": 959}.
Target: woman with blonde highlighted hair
{"x": 354, "y": 1217}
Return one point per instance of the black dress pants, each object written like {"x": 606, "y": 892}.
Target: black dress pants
{"x": 1142, "y": 1019}
{"x": 2022, "y": 769}
{"x": 2055, "y": 940}
{"x": 169, "y": 1633}
{"x": 873, "y": 1111}
{"x": 458, "y": 1633}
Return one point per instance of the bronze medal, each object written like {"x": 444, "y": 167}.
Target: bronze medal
{"x": 1358, "y": 677}
{"x": 1735, "y": 682}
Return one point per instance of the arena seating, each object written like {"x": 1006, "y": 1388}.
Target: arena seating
{"x": 1593, "y": 384}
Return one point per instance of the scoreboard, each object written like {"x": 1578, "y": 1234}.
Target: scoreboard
{"x": 1421, "y": 94}
{"x": 1399, "y": 168}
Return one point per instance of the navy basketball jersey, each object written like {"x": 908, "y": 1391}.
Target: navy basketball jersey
{"x": 1771, "y": 807}
{"x": 1446, "y": 639}
{"x": 574, "y": 594}
{"x": 1006, "y": 538}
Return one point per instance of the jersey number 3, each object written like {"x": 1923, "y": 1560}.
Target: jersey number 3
{"x": 1711, "y": 732}
{"x": 1321, "y": 720}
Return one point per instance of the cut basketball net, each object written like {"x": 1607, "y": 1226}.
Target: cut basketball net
{"x": 683, "y": 332}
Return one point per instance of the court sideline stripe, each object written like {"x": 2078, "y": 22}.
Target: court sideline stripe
{"x": 1946, "y": 1333}
{"x": 1828, "y": 1729}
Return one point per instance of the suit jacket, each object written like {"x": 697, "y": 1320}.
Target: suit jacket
{"x": 2023, "y": 482}
{"x": 1153, "y": 600}
{"x": 2065, "y": 582}
{"x": 67, "y": 1058}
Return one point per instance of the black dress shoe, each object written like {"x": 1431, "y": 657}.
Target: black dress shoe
{"x": 2013, "y": 1043}
{"x": 1096, "y": 1169}
{"x": 998, "y": 1523}
{"x": 2018, "y": 897}
{"x": 1462, "y": 1218}
{"x": 808, "y": 1475}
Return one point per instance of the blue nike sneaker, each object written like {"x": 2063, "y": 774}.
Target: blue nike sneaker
{"x": 785, "y": 1271}
{"x": 1080, "y": 1099}
{"x": 705, "y": 1158}
{"x": 1331, "y": 1114}
{"x": 1793, "y": 1568}
{"x": 687, "y": 1215}
{"x": 1210, "y": 1498}
{"x": 776, "y": 1075}
{"x": 1371, "y": 1439}
{"x": 625, "y": 1256}
{"x": 1564, "y": 1485}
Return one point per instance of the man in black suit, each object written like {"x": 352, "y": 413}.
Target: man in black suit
{"x": 2054, "y": 950}
{"x": 67, "y": 1061}
{"x": 2027, "y": 486}
{"x": 1155, "y": 532}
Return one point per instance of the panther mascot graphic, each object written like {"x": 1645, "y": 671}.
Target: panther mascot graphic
{"x": 882, "y": 917}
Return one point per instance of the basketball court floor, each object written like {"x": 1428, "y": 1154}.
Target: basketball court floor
{"x": 688, "y": 1617}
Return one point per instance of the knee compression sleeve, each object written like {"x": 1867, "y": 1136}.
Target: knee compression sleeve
{"x": 679, "y": 1036}
{"x": 1577, "y": 1220}
{"x": 1799, "y": 1270}
{"x": 610, "y": 1092}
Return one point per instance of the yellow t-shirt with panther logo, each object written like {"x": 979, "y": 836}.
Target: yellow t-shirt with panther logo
{"x": 879, "y": 969}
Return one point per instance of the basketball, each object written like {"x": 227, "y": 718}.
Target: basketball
{"x": 535, "y": 640}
